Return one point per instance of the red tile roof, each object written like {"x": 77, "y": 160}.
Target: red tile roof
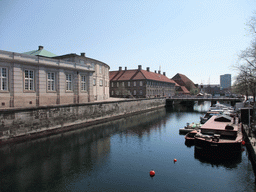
{"x": 182, "y": 80}
{"x": 184, "y": 89}
{"x": 138, "y": 75}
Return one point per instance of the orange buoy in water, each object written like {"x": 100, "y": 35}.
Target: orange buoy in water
{"x": 152, "y": 173}
{"x": 243, "y": 142}
{"x": 175, "y": 160}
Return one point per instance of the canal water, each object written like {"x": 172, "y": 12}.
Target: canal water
{"x": 118, "y": 156}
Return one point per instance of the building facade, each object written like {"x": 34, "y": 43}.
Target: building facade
{"x": 213, "y": 89}
{"x": 140, "y": 83}
{"x": 225, "y": 81}
{"x": 29, "y": 80}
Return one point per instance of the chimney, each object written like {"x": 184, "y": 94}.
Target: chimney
{"x": 40, "y": 47}
{"x": 164, "y": 73}
{"x": 120, "y": 68}
{"x": 83, "y": 54}
{"x": 139, "y": 67}
{"x": 148, "y": 69}
{"x": 155, "y": 71}
{"x": 125, "y": 68}
{"x": 159, "y": 72}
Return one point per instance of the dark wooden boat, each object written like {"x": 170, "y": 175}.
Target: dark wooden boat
{"x": 190, "y": 137}
{"x": 220, "y": 134}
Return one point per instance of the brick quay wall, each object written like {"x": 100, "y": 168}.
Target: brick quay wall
{"x": 23, "y": 124}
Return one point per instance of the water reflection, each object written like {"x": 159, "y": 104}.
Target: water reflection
{"x": 228, "y": 160}
{"x": 189, "y": 143}
{"x": 202, "y": 106}
{"x": 37, "y": 164}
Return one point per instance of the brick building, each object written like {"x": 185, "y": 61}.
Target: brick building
{"x": 186, "y": 86}
{"x": 39, "y": 78}
{"x": 140, "y": 83}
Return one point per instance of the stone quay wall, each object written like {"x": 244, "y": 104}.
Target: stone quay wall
{"x": 28, "y": 123}
{"x": 250, "y": 140}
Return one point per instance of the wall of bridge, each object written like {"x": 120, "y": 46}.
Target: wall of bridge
{"x": 190, "y": 99}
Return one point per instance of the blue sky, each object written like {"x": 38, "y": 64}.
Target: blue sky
{"x": 198, "y": 38}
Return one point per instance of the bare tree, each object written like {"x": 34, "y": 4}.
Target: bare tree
{"x": 246, "y": 80}
{"x": 251, "y": 24}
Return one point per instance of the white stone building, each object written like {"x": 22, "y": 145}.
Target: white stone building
{"x": 38, "y": 78}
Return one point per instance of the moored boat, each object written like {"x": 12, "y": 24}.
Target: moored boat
{"x": 220, "y": 133}
{"x": 219, "y": 106}
{"x": 208, "y": 115}
{"x": 189, "y": 127}
{"x": 190, "y": 137}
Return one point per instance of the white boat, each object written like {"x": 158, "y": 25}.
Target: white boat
{"x": 208, "y": 115}
{"x": 221, "y": 107}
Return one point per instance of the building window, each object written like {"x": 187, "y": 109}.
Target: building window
{"x": 101, "y": 82}
{"x": 83, "y": 83}
{"x": 117, "y": 92}
{"x": 3, "y": 79}
{"x": 122, "y": 84}
{"x": 140, "y": 92}
{"x": 134, "y": 92}
{"x": 82, "y": 62}
{"x": 117, "y": 84}
{"x": 134, "y": 83}
{"x": 112, "y": 84}
{"x": 93, "y": 66}
{"x": 51, "y": 81}
{"x": 68, "y": 82}
{"x": 29, "y": 80}
{"x": 140, "y": 83}
{"x": 94, "y": 82}
{"x": 129, "y": 83}
{"x": 112, "y": 92}
{"x": 100, "y": 68}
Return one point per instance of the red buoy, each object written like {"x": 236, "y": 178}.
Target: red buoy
{"x": 175, "y": 160}
{"x": 152, "y": 173}
{"x": 243, "y": 142}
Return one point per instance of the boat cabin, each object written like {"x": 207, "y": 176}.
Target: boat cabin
{"x": 221, "y": 125}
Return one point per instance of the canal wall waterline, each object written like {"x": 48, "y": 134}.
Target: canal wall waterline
{"x": 18, "y": 125}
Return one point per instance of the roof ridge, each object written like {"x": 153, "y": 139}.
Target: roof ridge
{"x": 134, "y": 74}
{"x": 143, "y": 74}
{"x": 121, "y": 74}
{"x": 115, "y": 75}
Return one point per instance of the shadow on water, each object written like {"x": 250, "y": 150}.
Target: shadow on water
{"x": 189, "y": 143}
{"x": 227, "y": 160}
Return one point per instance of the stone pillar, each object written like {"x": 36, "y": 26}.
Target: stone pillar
{"x": 90, "y": 88}
{"x": 76, "y": 87}
{"x": 17, "y": 85}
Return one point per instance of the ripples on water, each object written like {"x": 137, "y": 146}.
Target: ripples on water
{"x": 118, "y": 155}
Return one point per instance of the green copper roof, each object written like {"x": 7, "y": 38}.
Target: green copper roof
{"x": 40, "y": 52}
